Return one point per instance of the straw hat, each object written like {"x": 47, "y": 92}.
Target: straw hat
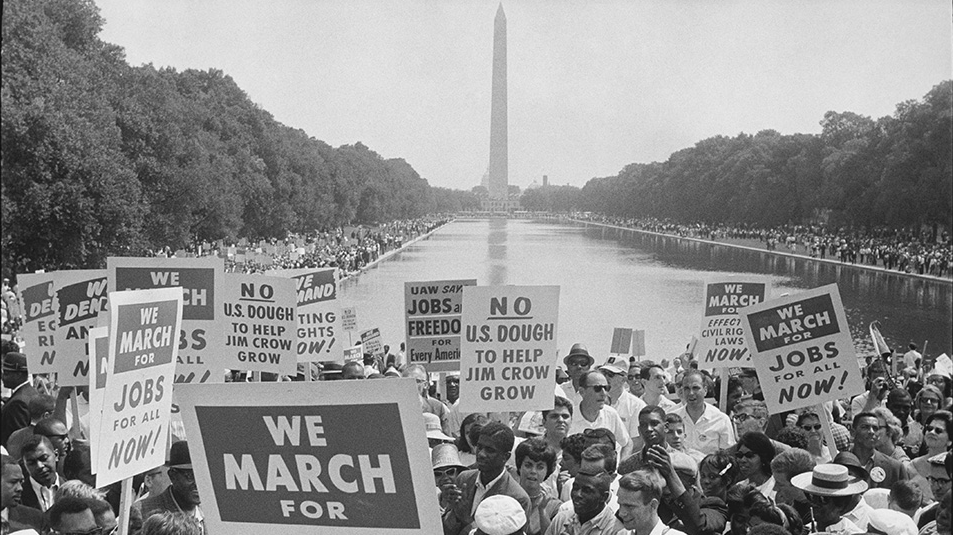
{"x": 829, "y": 480}
{"x": 445, "y": 456}
{"x": 434, "y": 429}
{"x": 578, "y": 350}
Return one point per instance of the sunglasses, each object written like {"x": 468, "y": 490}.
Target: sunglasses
{"x": 930, "y": 401}
{"x": 746, "y": 455}
{"x": 814, "y": 427}
{"x": 935, "y": 429}
{"x": 600, "y": 388}
{"x": 446, "y": 472}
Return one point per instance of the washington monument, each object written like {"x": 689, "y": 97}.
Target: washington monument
{"x": 498, "y": 183}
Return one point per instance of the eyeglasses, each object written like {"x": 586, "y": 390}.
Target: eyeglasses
{"x": 930, "y": 401}
{"x": 742, "y": 417}
{"x": 938, "y": 480}
{"x": 814, "y": 427}
{"x": 818, "y": 499}
{"x": 935, "y": 429}
{"x": 600, "y": 388}
{"x": 746, "y": 455}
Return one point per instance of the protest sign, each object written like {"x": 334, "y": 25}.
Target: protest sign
{"x": 200, "y": 357}
{"x": 333, "y": 458}
{"x": 260, "y": 321}
{"x": 722, "y": 340}
{"x": 349, "y": 319}
{"x": 372, "y": 342}
{"x": 621, "y": 341}
{"x": 353, "y": 353}
{"x": 509, "y": 348}
{"x": 80, "y": 295}
{"x": 432, "y": 311}
{"x": 638, "y": 343}
{"x": 144, "y": 331}
{"x": 39, "y": 321}
{"x": 98, "y": 346}
{"x": 802, "y": 349}
{"x": 318, "y": 317}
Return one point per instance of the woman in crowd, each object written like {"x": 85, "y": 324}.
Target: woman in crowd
{"x": 754, "y": 456}
{"x": 936, "y": 436}
{"x": 929, "y": 400}
{"x": 717, "y": 471}
{"x": 944, "y": 384}
{"x": 535, "y": 461}
{"x": 464, "y": 443}
{"x": 811, "y": 424}
{"x": 890, "y": 441}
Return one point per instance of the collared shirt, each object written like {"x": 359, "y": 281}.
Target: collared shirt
{"x": 607, "y": 418}
{"x": 628, "y": 407}
{"x": 566, "y": 522}
{"x": 860, "y": 515}
{"x": 481, "y": 489}
{"x": 712, "y": 432}
{"x": 45, "y": 494}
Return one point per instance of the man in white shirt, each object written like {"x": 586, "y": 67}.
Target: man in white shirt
{"x": 639, "y": 496}
{"x": 653, "y": 382}
{"x": 593, "y": 412}
{"x": 912, "y": 357}
{"x": 877, "y": 389}
{"x": 626, "y": 404}
{"x": 40, "y": 458}
{"x": 706, "y": 428}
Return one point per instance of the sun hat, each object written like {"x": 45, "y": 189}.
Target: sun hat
{"x": 499, "y": 515}
{"x": 434, "y": 429}
{"x": 829, "y": 480}
{"x": 578, "y": 350}
{"x": 615, "y": 365}
{"x": 446, "y": 456}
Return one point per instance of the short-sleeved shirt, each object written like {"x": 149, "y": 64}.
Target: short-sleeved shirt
{"x": 713, "y": 430}
{"x": 608, "y": 418}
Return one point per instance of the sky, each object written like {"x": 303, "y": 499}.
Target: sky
{"x": 593, "y": 86}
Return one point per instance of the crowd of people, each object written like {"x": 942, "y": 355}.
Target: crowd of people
{"x": 896, "y": 250}
{"x": 629, "y": 447}
{"x": 349, "y": 249}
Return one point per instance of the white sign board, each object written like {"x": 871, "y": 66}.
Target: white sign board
{"x": 508, "y": 357}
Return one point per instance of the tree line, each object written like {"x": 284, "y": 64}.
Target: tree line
{"x": 102, "y": 158}
{"x": 858, "y": 173}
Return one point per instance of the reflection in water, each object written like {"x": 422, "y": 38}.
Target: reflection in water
{"x": 496, "y": 252}
{"x": 610, "y": 278}
{"x": 910, "y": 309}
